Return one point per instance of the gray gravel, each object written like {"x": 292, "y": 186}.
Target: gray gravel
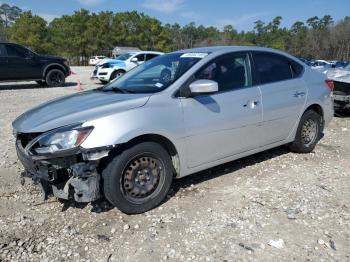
{"x": 272, "y": 206}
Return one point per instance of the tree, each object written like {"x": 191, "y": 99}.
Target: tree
{"x": 8, "y": 14}
{"x": 30, "y": 30}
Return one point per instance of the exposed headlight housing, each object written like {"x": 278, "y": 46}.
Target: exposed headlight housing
{"x": 59, "y": 140}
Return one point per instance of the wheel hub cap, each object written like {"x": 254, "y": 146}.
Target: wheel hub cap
{"x": 141, "y": 177}
{"x": 309, "y": 132}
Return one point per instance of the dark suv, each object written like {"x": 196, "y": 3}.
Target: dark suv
{"x": 18, "y": 63}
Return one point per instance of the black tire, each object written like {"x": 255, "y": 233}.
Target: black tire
{"x": 306, "y": 140}
{"x": 116, "y": 74}
{"x": 139, "y": 178}
{"x": 55, "y": 77}
{"x": 41, "y": 83}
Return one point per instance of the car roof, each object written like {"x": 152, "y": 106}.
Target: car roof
{"x": 227, "y": 49}
{"x": 214, "y": 49}
{"x": 145, "y": 52}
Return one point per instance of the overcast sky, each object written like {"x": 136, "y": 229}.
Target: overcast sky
{"x": 241, "y": 14}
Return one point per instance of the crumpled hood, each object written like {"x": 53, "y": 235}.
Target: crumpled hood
{"x": 338, "y": 74}
{"x": 76, "y": 108}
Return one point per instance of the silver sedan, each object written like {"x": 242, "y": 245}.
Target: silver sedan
{"x": 170, "y": 117}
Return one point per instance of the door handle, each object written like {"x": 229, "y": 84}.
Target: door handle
{"x": 251, "y": 104}
{"x": 298, "y": 94}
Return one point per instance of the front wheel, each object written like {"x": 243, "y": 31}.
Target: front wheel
{"x": 308, "y": 132}
{"x": 55, "y": 77}
{"x": 139, "y": 178}
{"x": 117, "y": 74}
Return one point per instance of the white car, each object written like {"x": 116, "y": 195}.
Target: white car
{"x": 321, "y": 65}
{"x": 122, "y": 64}
{"x": 95, "y": 59}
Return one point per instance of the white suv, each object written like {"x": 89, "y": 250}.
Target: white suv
{"x": 123, "y": 63}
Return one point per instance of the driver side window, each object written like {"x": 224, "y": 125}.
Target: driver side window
{"x": 140, "y": 57}
{"x": 230, "y": 72}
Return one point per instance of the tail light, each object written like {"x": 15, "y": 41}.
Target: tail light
{"x": 330, "y": 84}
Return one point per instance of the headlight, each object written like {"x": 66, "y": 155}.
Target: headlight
{"x": 60, "y": 140}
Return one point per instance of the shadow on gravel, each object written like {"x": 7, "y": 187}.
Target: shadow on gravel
{"x": 15, "y": 86}
{"x": 227, "y": 168}
{"x": 98, "y": 206}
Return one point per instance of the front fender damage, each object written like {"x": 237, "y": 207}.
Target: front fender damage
{"x": 70, "y": 177}
{"x": 85, "y": 181}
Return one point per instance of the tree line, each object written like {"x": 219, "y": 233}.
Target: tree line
{"x": 85, "y": 33}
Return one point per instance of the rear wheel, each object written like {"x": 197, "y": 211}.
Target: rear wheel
{"x": 308, "y": 132}
{"x": 55, "y": 77}
{"x": 139, "y": 178}
{"x": 117, "y": 74}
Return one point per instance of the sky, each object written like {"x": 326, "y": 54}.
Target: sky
{"x": 240, "y": 13}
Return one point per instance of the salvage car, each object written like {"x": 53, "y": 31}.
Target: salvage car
{"x": 18, "y": 63}
{"x": 341, "y": 91}
{"x": 115, "y": 68}
{"x": 170, "y": 117}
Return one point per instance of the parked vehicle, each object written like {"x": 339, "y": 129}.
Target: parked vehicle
{"x": 341, "y": 92}
{"x": 321, "y": 65}
{"x": 95, "y": 59}
{"x": 125, "y": 62}
{"x": 172, "y": 116}
{"x": 18, "y": 63}
{"x": 98, "y": 65}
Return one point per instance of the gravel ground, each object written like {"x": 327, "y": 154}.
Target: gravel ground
{"x": 272, "y": 206}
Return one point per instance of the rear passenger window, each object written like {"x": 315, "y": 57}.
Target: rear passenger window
{"x": 297, "y": 69}
{"x": 272, "y": 68}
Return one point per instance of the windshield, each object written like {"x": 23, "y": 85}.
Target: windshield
{"x": 124, "y": 57}
{"x": 155, "y": 75}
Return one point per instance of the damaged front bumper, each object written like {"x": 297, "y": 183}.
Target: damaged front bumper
{"x": 72, "y": 176}
{"x": 341, "y": 95}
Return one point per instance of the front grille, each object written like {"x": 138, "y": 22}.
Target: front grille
{"x": 25, "y": 138}
{"x": 102, "y": 74}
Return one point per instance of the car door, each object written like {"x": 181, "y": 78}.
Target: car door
{"x": 22, "y": 63}
{"x": 225, "y": 123}
{"x": 283, "y": 95}
{"x": 4, "y": 71}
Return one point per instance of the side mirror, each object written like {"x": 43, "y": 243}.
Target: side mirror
{"x": 203, "y": 87}
{"x": 134, "y": 59}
